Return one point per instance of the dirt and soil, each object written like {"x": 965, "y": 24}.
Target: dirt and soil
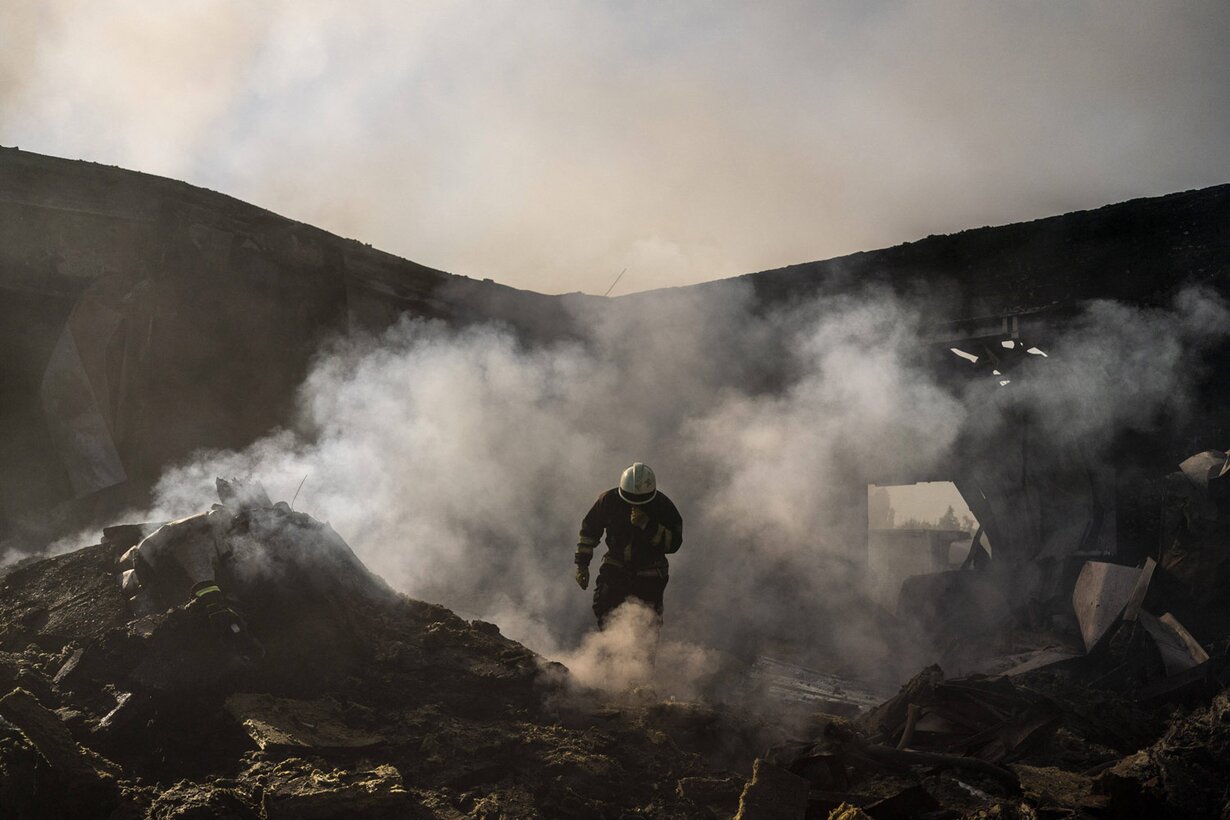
{"x": 366, "y": 703}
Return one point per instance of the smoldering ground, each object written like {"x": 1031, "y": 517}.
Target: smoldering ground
{"x": 458, "y": 462}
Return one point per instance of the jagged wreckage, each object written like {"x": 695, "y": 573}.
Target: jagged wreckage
{"x": 100, "y": 269}
{"x": 1064, "y": 513}
{"x": 1109, "y": 560}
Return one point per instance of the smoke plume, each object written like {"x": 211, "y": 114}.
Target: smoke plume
{"x": 459, "y": 462}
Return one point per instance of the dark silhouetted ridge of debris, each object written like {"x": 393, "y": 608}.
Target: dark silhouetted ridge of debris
{"x": 365, "y": 704}
{"x": 1136, "y": 727}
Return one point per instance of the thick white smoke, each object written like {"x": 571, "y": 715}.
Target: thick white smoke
{"x": 629, "y": 656}
{"x": 459, "y": 462}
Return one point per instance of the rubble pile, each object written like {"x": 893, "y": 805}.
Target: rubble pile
{"x": 1092, "y": 684}
{"x": 982, "y": 747}
{"x": 120, "y": 698}
{"x": 363, "y": 703}
{"x": 1137, "y": 726}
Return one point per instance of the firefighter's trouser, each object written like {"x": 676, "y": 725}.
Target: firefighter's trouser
{"x": 616, "y": 585}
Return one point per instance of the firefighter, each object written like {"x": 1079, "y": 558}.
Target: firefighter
{"x": 642, "y": 527}
{"x": 185, "y": 555}
{"x": 181, "y": 559}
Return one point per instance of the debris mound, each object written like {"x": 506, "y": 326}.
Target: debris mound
{"x": 359, "y": 702}
{"x": 326, "y": 694}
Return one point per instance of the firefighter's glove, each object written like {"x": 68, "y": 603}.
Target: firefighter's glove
{"x": 640, "y": 519}
{"x": 247, "y": 646}
{"x": 227, "y": 622}
{"x": 582, "y": 577}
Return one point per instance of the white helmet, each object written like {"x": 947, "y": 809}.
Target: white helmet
{"x": 637, "y": 485}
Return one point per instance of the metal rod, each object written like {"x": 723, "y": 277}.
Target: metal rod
{"x": 300, "y": 487}
{"x": 616, "y": 282}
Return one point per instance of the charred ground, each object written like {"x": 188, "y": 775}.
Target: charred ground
{"x": 366, "y": 703}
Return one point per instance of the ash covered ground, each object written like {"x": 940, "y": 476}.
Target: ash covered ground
{"x": 363, "y": 703}
{"x": 360, "y": 702}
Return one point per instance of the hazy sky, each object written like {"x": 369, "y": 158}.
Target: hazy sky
{"x": 549, "y": 145}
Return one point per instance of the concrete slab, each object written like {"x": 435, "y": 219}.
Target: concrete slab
{"x": 285, "y": 723}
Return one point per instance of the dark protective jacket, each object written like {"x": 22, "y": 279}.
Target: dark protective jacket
{"x": 629, "y": 547}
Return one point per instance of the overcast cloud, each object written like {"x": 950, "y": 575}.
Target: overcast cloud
{"x": 548, "y": 145}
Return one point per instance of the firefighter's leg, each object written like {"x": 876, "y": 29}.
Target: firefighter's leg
{"x": 650, "y": 590}
{"x": 610, "y": 590}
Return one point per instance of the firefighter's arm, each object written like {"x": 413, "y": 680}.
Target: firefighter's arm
{"x": 227, "y": 621}
{"x": 221, "y": 615}
{"x": 667, "y": 534}
{"x": 668, "y": 538}
{"x": 592, "y": 528}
